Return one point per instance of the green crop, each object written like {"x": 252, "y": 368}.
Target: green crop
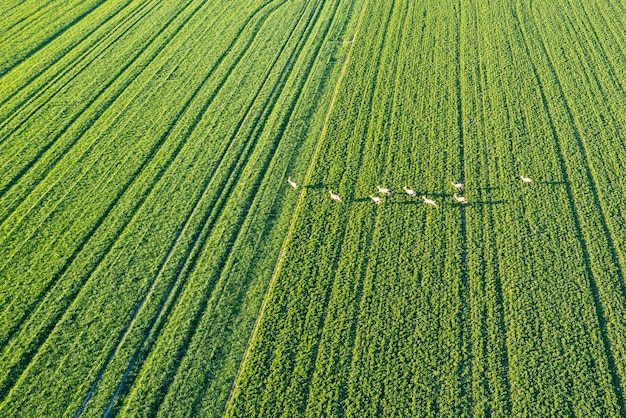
{"x": 155, "y": 262}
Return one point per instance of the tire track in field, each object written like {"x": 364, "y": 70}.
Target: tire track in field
{"x": 501, "y": 324}
{"x": 45, "y": 332}
{"x": 175, "y": 70}
{"x": 221, "y": 199}
{"x": 352, "y": 348}
{"x": 52, "y": 38}
{"x": 10, "y": 12}
{"x": 211, "y": 216}
{"x": 76, "y": 117}
{"x": 167, "y": 305}
{"x": 465, "y": 328}
{"x": 89, "y": 234}
{"x": 373, "y": 232}
{"x": 105, "y": 107}
{"x": 194, "y": 253}
{"x": 77, "y": 65}
{"x": 216, "y": 293}
{"x": 306, "y": 180}
{"x": 36, "y": 15}
{"x": 497, "y": 281}
{"x": 498, "y": 305}
{"x": 599, "y": 308}
{"x": 341, "y": 236}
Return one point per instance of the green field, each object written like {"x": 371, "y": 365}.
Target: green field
{"x": 154, "y": 261}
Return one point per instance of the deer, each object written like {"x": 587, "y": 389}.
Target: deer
{"x": 461, "y": 199}
{"x": 458, "y": 185}
{"x": 383, "y": 191}
{"x": 376, "y": 199}
{"x": 430, "y": 202}
{"x": 410, "y": 192}
{"x": 527, "y": 180}
{"x": 335, "y": 197}
{"x": 292, "y": 183}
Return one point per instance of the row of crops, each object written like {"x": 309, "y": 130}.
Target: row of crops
{"x": 511, "y": 306}
{"x": 154, "y": 261}
{"x": 141, "y": 148}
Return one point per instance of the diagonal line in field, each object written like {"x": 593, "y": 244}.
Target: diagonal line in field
{"x": 45, "y": 42}
{"x": 298, "y": 206}
{"x": 167, "y": 259}
{"x": 599, "y": 307}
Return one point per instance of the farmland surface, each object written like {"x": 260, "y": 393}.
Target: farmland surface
{"x": 155, "y": 262}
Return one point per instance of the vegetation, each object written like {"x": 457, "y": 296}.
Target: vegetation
{"x": 155, "y": 262}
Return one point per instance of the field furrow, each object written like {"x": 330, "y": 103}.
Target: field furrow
{"x": 39, "y": 29}
{"x": 133, "y": 177}
{"x": 155, "y": 261}
{"x": 208, "y": 222}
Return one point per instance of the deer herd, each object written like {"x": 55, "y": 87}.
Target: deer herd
{"x": 377, "y": 200}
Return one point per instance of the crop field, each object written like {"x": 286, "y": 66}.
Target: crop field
{"x": 154, "y": 260}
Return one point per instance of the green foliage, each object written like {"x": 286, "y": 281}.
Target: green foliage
{"x": 154, "y": 261}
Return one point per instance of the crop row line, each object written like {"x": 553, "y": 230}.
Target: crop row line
{"x": 41, "y": 45}
{"x": 599, "y": 308}
{"x": 171, "y": 295}
{"x": 55, "y": 83}
{"x": 297, "y": 209}
{"x": 132, "y": 179}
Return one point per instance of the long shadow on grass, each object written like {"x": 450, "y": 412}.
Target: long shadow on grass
{"x": 316, "y": 186}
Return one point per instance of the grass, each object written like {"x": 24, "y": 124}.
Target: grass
{"x": 154, "y": 261}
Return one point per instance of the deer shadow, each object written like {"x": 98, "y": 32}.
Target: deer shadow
{"x": 317, "y": 186}
{"x": 485, "y": 203}
{"x": 360, "y": 199}
{"x": 553, "y": 183}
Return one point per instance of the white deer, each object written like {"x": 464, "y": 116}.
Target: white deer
{"x": 410, "y": 192}
{"x": 430, "y": 202}
{"x": 527, "y": 180}
{"x": 292, "y": 183}
{"x": 458, "y": 185}
{"x": 383, "y": 191}
{"x": 335, "y": 197}
{"x": 461, "y": 199}
{"x": 376, "y": 199}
